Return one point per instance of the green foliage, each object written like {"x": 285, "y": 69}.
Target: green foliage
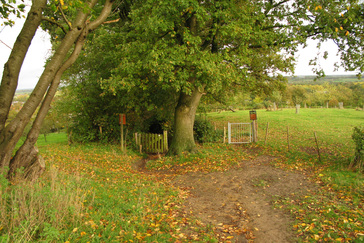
{"x": 161, "y": 49}
{"x": 358, "y": 137}
{"x": 204, "y": 131}
{"x": 7, "y": 8}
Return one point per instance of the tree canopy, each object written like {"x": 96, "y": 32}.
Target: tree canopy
{"x": 187, "y": 49}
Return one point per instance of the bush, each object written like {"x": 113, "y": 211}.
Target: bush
{"x": 358, "y": 137}
{"x": 204, "y": 131}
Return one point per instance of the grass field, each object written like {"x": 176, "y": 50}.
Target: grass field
{"x": 333, "y": 128}
{"x": 92, "y": 193}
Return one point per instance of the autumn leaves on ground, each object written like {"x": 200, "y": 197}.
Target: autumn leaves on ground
{"x": 224, "y": 193}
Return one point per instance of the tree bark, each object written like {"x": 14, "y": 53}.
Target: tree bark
{"x": 27, "y": 155}
{"x": 9, "y": 81}
{"x": 184, "y": 119}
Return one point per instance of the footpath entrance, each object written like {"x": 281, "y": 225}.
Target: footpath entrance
{"x": 240, "y": 133}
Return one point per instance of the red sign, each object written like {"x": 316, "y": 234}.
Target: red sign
{"x": 122, "y": 117}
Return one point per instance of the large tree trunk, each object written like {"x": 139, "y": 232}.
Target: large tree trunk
{"x": 13, "y": 131}
{"x": 27, "y": 155}
{"x": 184, "y": 120}
{"x": 12, "y": 67}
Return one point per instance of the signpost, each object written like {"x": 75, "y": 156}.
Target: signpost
{"x": 253, "y": 118}
{"x": 122, "y": 122}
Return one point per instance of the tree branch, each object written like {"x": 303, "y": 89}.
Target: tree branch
{"x": 111, "y": 21}
{"x": 102, "y": 17}
{"x": 56, "y": 23}
{"x": 64, "y": 17}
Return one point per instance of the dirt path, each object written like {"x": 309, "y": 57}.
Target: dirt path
{"x": 238, "y": 202}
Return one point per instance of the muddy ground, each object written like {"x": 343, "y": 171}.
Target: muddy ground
{"x": 238, "y": 203}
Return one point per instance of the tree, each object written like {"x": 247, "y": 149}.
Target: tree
{"x": 208, "y": 47}
{"x": 76, "y": 20}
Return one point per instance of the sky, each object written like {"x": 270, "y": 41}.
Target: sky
{"x": 40, "y": 49}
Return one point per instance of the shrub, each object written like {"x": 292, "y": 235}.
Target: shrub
{"x": 358, "y": 137}
{"x": 204, "y": 131}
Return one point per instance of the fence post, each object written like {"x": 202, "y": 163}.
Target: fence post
{"x": 254, "y": 131}
{"x": 165, "y": 141}
{"x": 318, "y": 148}
{"x": 121, "y": 137}
{"x": 266, "y": 134}
{"x": 288, "y": 137}
{"x": 224, "y": 134}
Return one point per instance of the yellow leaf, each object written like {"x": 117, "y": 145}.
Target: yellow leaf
{"x": 74, "y": 230}
{"x": 339, "y": 239}
{"x": 347, "y": 33}
{"x": 336, "y": 29}
{"x": 62, "y": 2}
{"x": 341, "y": 28}
{"x": 317, "y": 237}
{"x": 83, "y": 233}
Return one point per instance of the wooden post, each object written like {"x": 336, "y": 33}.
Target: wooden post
{"x": 126, "y": 135}
{"x": 165, "y": 141}
{"x": 288, "y": 137}
{"x": 254, "y": 130}
{"x": 318, "y": 148}
{"x": 266, "y": 134}
{"x": 121, "y": 137}
{"x": 122, "y": 121}
{"x": 224, "y": 134}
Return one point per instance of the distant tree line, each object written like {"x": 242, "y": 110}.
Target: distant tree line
{"x": 326, "y": 95}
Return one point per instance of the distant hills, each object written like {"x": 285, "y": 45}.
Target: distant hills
{"x": 23, "y": 91}
{"x": 309, "y": 79}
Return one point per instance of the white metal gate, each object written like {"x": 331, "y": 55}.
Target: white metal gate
{"x": 240, "y": 132}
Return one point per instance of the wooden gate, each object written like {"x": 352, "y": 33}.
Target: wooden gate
{"x": 152, "y": 143}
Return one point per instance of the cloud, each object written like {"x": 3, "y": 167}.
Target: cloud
{"x": 304, "y": 55}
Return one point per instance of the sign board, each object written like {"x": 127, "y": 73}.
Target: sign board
{"x": 122, "y": 118}
{"x": 253, "y": 115}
